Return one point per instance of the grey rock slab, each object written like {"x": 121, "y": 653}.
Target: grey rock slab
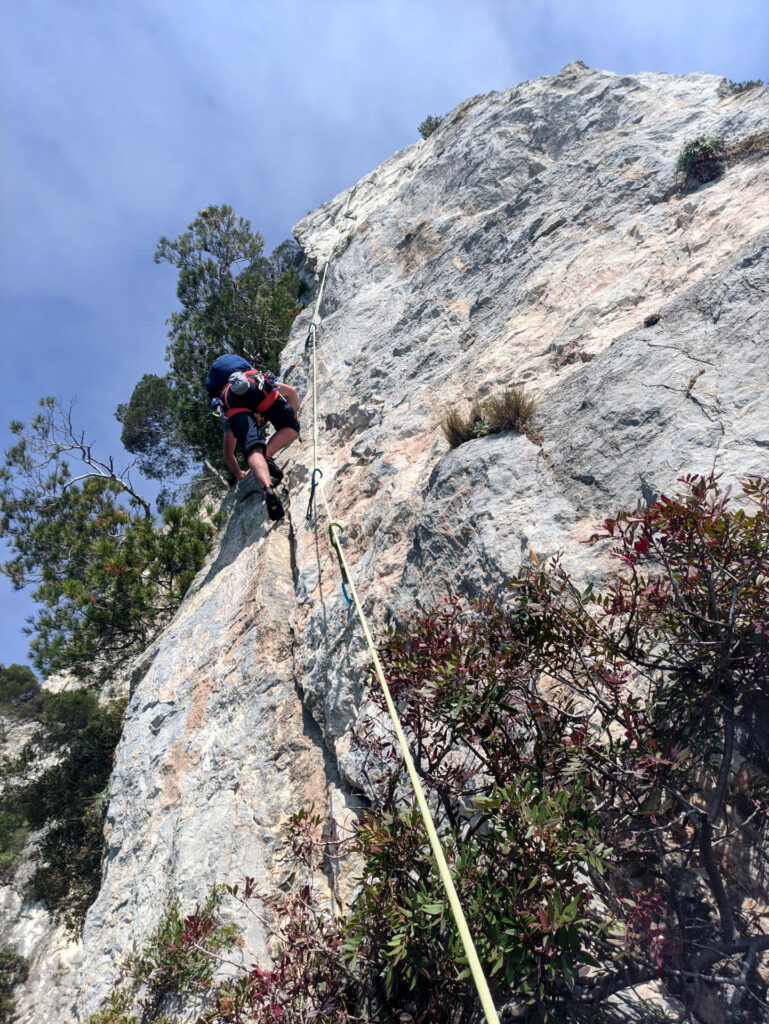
{"x": 688, "y": 394}
{"x": 216, "y": 752}
{"x": 525, "y": 242}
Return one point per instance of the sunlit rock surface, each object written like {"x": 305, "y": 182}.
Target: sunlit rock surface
{"x": 527, "y": 241}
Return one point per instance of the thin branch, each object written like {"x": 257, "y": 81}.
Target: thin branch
{"x": 212, "y": 469}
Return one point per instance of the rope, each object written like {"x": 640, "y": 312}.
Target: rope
{"x": 443, "y": 869}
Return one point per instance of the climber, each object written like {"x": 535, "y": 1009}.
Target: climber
{"x": 247, "y": 398}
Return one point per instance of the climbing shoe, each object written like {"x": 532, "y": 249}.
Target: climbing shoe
{"x": 276, "y": 473}
{"x": 274, "y": 504}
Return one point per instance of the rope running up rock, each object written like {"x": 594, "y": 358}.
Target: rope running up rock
{"x": 474, "y": 963}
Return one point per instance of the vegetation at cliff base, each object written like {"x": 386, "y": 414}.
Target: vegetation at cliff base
{"x": 14, "y": 969}
{"x": 55, "y": 787}
{"x": 597, "y": 769}
{"x": 178, "y": 958}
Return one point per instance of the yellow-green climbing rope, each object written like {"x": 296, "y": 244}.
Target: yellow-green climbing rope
{"x": 456, "y": 908}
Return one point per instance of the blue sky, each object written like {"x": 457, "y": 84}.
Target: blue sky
{"x": 120, "y": 120}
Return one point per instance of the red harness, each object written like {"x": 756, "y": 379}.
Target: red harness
{"x": 256, "y": 377}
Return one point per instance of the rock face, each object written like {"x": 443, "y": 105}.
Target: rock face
{"x": 527, "y": 241}
{"x": 536, "y": 238}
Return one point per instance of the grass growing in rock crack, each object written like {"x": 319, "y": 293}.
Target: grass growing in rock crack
{"x": 511, "y": 410}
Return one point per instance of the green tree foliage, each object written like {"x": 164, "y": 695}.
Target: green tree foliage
{"x": 19, "y": 690}
{"x": 106, "y": 576}
{"x": 13, "y": 970}
{"x": 14, "y": 832}
{"x": 746, "y": 86}
{"x": 20, "y": 701}
{"x": 57, "y": 784}
{"x": 232, "y": 298}
{"x": 151, "y": 431}
{"x": 702, "y": 159}
{"x": 428, "y": 126}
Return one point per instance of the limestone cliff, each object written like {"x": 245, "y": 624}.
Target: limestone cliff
{"x": 537, "y": 237}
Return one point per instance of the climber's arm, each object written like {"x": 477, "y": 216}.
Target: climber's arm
{"x": 228, "y": 454}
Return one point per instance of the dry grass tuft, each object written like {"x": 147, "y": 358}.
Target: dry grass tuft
{"x": 458, "y": 427}
{"x": 509, "y": 411}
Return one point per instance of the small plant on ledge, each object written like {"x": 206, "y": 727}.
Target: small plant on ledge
{"x": 512, "y": 410}
{"x": 342, "y": 246}
{"x": 428, "y": 126}
{"x": 701, "y": 159}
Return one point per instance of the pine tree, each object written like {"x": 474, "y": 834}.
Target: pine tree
{"x": 232, "y": 299}
{"x": 105, "y": 575}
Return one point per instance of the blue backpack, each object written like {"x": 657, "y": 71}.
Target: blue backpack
{"x": 220, "y": 372}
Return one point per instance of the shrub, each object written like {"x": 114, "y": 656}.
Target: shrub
{"x": 116, "y": 1009}
{"x": 621, "y": 769}
{"x": 702, "y": 159}
{"x": 513, "y": 804}
{"x": 739, "y": 87}
{"x": 308, "y": 979}
{"x": 66, "y": 800}
{"x": 428, "y": 126}
{"x": 13, "y": 970}
{"x": 511, "y": 410}
{"x": 180, "y": 957}
{"x": 174, "y": 960}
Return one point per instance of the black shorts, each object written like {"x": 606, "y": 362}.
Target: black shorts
{"x": 248, "y": 434}
{"x": 280, "y": 414}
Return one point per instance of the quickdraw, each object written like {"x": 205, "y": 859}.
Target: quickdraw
{"x": 310, "y": 334}
{"x": 311, "y": 503}
{"x": 342, "y": 567}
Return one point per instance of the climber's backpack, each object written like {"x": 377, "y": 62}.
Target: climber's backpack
{"x": 220, "y": 372}
{"x": 219, "y": 385}
{"x": 264, "y": 384}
